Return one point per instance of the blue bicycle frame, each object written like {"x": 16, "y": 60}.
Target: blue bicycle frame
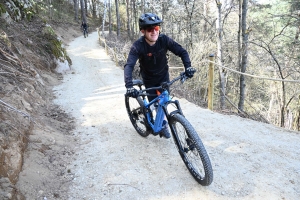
{"x": 162, "y": 100}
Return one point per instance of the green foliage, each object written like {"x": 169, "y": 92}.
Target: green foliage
{"x": 55, "y": 45}
{"x": 2, "y": 8}
{"x": 18, "y": 9}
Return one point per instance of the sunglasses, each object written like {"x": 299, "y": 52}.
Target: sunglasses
{"x": 150, "y": 29}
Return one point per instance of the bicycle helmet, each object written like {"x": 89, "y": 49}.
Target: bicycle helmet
{"x": 148, "y": 19}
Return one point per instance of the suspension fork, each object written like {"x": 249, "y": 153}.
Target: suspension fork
{"x": 178, "y": 109}
{"x": 169, "y": 115}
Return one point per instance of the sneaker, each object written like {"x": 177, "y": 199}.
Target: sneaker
{"x": 165, "y": 132}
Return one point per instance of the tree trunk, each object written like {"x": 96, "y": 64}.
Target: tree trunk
{"x": 283, "y": 105}
{"x": 104, "y": 17}
{"x": 245, "y": 35}
{"x": 239, "y": 67}
{"x": 94, "y": 7}
{"x": 222, "y": 71}
{"x": 76, "y": 10}
{"x": 273, "y": 90}
{"x": 85, "y": 7}
{"x": 296, "y": 121}
{"x": 134, "y": 29}
{"x": 189, "y": 9}
{"x": 50, "y": 9}
{"x": 128, "y": 18}
{"x": 109, "y": 17}
{"x": 118, "y": 17}
{"x": 83, "y": 15}
{"x": 205, "y": 14}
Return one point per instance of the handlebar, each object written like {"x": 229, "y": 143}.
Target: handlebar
{"x": 183, "y": 77}
{"x": 165, "y": 85}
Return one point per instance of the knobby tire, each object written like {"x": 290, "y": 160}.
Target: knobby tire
{"x": 191, "y": 150}
{"x": 136, "y": 113}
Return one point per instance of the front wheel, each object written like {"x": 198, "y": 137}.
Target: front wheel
{"x": 191, "y": 150}
{"x": 135, "y": 111}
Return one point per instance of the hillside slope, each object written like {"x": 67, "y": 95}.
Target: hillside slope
{"x": 27, "y": 75}
{"x": 104, "y": 158}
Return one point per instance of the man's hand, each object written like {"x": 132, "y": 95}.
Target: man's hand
{"x": 189, "y": 72}
{"x": 132, "y": 92}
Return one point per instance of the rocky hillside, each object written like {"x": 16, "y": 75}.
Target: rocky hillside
{"x": 29, "y": 53}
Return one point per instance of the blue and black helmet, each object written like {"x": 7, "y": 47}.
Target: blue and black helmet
{"x": 148, "y": 19}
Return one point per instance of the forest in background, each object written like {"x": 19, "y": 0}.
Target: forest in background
{"x": 255, "y": 46}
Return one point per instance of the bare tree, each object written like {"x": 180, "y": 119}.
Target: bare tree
{"x": 94, "y": 8}
{"x": 128, "y": 18}
{"x": 83, "y": 15}
{"x": 104, "y": 16}
{"x": 85, "y": 7}
{"x": 189, "y": 10}
{"x": 134, "y": 20}
{"x": 50, "y": 9}
{"x": 118, "y": 17}
{"x": 76, "y": 9}
{"x": 244, "y": 60}
{"x": 109, "y": 17}
{"x": 222, "y": 71}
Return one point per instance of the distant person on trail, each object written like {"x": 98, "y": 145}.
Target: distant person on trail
{"x": 84, "y": 26}
{"x": 151, "y": 51}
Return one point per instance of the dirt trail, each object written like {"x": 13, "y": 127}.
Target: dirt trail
{"x": 251, "y": 160}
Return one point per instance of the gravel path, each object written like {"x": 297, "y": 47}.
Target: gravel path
{"x": 251, "y": 160}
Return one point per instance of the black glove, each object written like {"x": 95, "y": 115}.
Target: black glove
{"x": 189, "y": 72}
{"x": 132, "y": 92}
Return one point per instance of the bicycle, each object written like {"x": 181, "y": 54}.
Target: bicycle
{"x": 146, "y": 121}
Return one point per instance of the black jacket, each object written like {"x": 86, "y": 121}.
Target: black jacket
{"x": 153, "y": 60}
{"x": 84, "y": 25}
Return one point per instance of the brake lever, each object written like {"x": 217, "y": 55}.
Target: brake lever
{"x": 183, "y": 77}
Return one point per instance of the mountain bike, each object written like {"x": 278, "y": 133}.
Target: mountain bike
{"x": 149, "y": 118}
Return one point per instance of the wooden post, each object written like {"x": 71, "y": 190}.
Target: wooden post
{"x": 211, "y": 82}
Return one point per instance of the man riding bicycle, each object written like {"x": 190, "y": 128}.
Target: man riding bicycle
{"x": 151, "y": 51}
{"x": 84, "y": 27}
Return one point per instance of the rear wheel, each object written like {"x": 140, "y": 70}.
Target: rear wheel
{"x": 191, "y": 150}
{"x": 134, "y": 107}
